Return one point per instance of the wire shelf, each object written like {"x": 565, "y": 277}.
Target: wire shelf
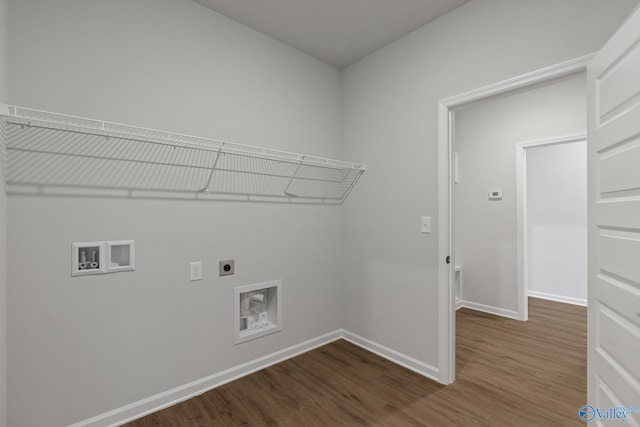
{"x": 44, "y": 149}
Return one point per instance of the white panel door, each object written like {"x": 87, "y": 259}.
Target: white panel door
{"x": 614, "y": 230}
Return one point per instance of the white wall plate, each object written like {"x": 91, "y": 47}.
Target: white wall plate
{"x": 121, "y": 255}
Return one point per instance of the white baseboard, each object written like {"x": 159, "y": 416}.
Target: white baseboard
{"x": 459, "y": 303}
{"x": 179, "y": 394}
{"x": 396, "y": 357}
{"x": 511, "y": 314}
{"x": 558, "y": 298}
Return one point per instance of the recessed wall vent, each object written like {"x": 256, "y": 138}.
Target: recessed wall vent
{"x": 257, "y": 311}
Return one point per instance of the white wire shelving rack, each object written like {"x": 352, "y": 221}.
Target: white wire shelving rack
{"x": 51, "y": 153}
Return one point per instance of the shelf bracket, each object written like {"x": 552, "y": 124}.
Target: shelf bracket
{"x": 352, "y": 184}
{"x": 213, "y": 169}
{"x": 286, "y": 189}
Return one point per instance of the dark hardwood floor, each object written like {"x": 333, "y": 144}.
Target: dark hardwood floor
{"x": 510, "y": 373}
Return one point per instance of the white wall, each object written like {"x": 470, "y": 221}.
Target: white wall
{"x": 3, "y": 227}
{"x": 84, "y": 345}
{"x": 557, "y": 221}
{"x": 486, "y": 135}
{"x": 390, "y": 122}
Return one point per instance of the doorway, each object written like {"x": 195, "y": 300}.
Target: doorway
{"x": 487, "y": 216}
{"x": 552, "y": 219}
{"x": 447, "y": 116}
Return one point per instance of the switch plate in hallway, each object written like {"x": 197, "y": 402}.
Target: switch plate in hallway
{"x": 425, "y": 224}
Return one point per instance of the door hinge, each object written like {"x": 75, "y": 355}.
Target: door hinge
{"x": 448, "y": 260}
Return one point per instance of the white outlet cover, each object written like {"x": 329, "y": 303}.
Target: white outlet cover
{"x": 195, "y": 271}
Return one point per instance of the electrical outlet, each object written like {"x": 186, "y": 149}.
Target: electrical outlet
{"x": 195, "y": 271}
{"x": 227, "y": 267}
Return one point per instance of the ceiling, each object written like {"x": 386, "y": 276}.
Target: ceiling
{"x": 339, "y": 32}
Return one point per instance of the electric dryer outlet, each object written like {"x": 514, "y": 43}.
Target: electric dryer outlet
{"x": 227, "y": 267}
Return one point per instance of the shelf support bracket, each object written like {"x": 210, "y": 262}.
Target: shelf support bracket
{"x": 351, "y": 185}
{"x": 295, "y": 173}
{"x": 213, "y": 169}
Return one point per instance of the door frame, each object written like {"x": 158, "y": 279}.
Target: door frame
{"x": 446, "y": 109}
{"x": 521, "y": 208}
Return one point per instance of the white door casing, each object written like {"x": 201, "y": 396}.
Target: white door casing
{"x": 613, "y": 80}
{"x": 446, "y": 274}
{"x": 521, "y": 207}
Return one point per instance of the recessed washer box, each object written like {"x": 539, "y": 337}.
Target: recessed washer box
{"x": 87, "y": 258}
{"x": 102, "y": 257}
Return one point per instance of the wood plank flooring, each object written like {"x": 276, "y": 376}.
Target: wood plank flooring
{"x": 510, "y": 373}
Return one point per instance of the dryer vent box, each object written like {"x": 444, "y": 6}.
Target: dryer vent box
{"x": 257, "y": 311}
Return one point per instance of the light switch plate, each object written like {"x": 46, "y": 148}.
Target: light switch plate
{"x": 425, "y": 224}
{"x": 195, "y": 271}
